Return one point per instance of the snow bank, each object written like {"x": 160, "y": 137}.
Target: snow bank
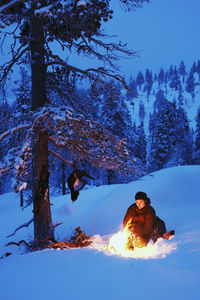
{"x": 91, "y": 274}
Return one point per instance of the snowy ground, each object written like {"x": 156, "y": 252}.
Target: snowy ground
{"x": 172, "y": 273}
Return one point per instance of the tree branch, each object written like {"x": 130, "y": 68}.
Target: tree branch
{"x": 18, "y": 228}
{"x": 11, "y": 4}
{"x": 89, "y": 72}
{"x": 18, "y": 244}
{"x": 13, "y": 130}
{"x": 10, "y": 64}
{"x": 129, "y": 5}
{"x": 57, "y": 224}
{"x": 58, "y": 156}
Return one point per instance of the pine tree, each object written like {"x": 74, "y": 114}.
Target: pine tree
{"x": 141, "y": 145}
{"x": 161, "y": 137}
{"x": 190, "y": 84}
{"x": 166, "y": 77}
{"x": 183, "y": 147}
{"x": 133, "y": 87}
{"x": 140, "y": 79}
{"x": 198, "y": 68}
{"x": 182, "y": 70}
{"x": 180, "y": 96}
{"x": 194, "y": 68}
{"x": 197, "y": 138}
{"x": 141, "y": 111}
{"x": 148, "y": 82}
{"x": 159, "y": 101}
{"x": 161, "y": 77}
{"x": 170, "y": 73}
{"x": 170, "y": 138}
{"x": 114, "y": 113}
{"x": 175, "y": 81}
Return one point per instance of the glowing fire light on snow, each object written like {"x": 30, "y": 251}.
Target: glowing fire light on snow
{"x": 118, "y": 245}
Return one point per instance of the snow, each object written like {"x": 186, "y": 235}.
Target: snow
{"x": 91, "y": 273}
{"x": 83, "y": 3}
{"x": 44, "y": 11}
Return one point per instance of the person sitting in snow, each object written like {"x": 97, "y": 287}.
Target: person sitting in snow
{"x": 143, "y": 224}
{"x": 76, "y": 182}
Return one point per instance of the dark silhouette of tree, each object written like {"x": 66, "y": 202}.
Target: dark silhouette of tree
{"x": 197, "y": 138}
{"x": 170, "y": 138}
{"x": 133, "y": 87}
{"x": 140, "y": 79}
{"x": 182, "y": 70}
{"x": 194, "y": 68}
{"x": 160, "y": 100}
{"x": 141, "y": 145}
{"x": 148, "y": 82}
{"x": 141, "y": 111}
{"x": 180, "y": 96}
{"x": 190, "y": 84}
{"x": 161, "y": 77}
{"x": 175, "y": 81}
{"x": 170, "y": 72}
{"x": 198, "y": 68}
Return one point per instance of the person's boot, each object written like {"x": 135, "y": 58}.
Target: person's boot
{"x": 169, "y": 235}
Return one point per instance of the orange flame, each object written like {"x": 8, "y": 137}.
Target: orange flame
{"x": 119, "y": 244}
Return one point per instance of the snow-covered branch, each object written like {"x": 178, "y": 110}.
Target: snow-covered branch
{"x": 11, "y": 4}
{"x": 132, "y": 4}
{"x": 13, "y": 130}
{"x": 20, "y": 227}
{"x": 88, "y": 139}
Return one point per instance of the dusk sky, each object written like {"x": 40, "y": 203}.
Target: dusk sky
{"x": 163, "y": 32}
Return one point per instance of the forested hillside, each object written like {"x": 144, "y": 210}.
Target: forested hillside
{"x": 161, "y": 125}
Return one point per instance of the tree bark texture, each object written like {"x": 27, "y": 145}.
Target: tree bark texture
{"x": 38, "y": 68}
{"x": 43, "y": 228}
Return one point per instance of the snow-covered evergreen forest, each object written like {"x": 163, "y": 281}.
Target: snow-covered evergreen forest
{"x": 161, "y": 125}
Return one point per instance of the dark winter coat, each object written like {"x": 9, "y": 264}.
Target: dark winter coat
{"x": 74, "y": 175}
{"x": 142, "y": 221}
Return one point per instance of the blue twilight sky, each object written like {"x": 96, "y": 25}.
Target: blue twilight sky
{"x": 163, "y": 32}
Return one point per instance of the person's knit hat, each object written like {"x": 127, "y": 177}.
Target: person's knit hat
{"x": 142, "y": 196}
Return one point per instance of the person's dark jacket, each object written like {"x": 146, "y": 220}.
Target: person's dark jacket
{"x": 142, "y": 220}
{"x": 76, "y": 174}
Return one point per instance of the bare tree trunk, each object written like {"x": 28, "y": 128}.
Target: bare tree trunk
{"x": 109, "y": 175}
{"x": 43, "y": 228}
{"x": 38, "y": 67}
{"x": 21, "y": 199}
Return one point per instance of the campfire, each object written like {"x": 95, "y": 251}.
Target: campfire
{"x": 118, "y": 244}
